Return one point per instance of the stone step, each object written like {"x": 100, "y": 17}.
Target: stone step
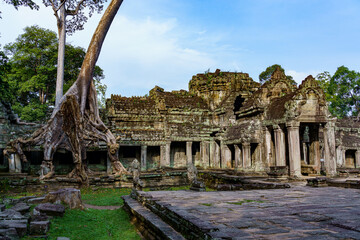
{"x": 149, "y": 224}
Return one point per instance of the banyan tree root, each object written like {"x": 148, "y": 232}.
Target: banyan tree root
{"x": 75, "y": 123}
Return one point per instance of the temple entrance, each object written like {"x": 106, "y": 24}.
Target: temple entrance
{"x": 178, "y": 154}
{"x": 309, "y": 143}
{"x": 350, "y": 161}
{"x": 153, "y": 157}
{"x": 309, "y": 148}
{"x": 127, "y": 154}
{"x": 195, "y": 152}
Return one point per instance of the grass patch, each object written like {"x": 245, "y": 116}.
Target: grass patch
{"x": 93, "y": 224}
{"x": 245, "y": 201}
{"x": 206, "y": 204}
{"x": 104, "y": 196}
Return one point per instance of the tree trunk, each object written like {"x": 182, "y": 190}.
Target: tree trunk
{"x": 61, "y": 56}
{"x": 75, "y": 123}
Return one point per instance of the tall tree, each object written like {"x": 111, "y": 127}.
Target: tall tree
{"x": 75, "y": 122}
{"x": 33, "y": 71}
{"x": 266, "y": 75}
{"x": 343, "y": 93}
{"x": 76, "y": 9}
{"x": 4, "y": 69}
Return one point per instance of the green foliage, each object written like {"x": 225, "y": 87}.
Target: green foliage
{"x": 93, "y": 224}
{"x": 31, "y": 74}
{"x": 104, "y": 196}
{"x": 342, "y": 91}
{"x": 4, "y": 69}
{"x": 266, "y": 75}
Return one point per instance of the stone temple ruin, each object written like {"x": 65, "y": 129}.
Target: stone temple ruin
{"x": 225, "y": 121}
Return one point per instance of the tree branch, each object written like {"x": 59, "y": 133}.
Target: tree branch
{"x": 63, "y": 2}
{"x": 55, "y": 10}
{"x": 75, "y": 12}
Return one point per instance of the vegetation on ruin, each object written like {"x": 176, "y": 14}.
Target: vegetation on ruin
{"x": 266, "y": 75}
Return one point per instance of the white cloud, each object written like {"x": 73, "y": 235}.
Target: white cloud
{"x": 140, "y": 54}
{"x": 300, "y": 76}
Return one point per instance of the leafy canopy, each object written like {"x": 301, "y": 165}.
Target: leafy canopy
{"x": 32, "y": 72}
{"x": 342, "y": 91}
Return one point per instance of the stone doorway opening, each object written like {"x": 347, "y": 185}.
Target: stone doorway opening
{"x": 178, "y": 154}
{"x": 153, "y": 157}
{"x": 350, "y": 158}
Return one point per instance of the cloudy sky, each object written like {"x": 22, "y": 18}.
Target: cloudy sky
{"x": 166, "y": 42}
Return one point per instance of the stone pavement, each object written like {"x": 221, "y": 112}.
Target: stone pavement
{"x": 299, "y": 212}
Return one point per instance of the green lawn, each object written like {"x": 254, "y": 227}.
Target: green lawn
{"x": 93, "y": 224}
{"x": 104, "y": 196}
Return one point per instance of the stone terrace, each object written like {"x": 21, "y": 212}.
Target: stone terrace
{"x": 298, "y": 212}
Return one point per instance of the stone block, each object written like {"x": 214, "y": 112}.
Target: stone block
{"x": 21, "y": 208}
{"x": 317, "y": 182}
{"x": 62, "y": 238}
{"x": 9, "y": 233}
{"x": 36, "y": 200}
{"x": 11, "y": 214}
{"x": 68, "y": 196}
{"x": 39, "y": 228}
{"x": 50, "y": 209}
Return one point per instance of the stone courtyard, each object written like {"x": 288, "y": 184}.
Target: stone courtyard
{"x": 299, "y": 212}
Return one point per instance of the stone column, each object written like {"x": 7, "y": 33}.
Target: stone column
{"x": 267, "y": 146}
{"x": 330, "y": 152}
{"x": 12, "y": 163}
{"x": 189, "y": 153}
{"x": 217, "y": 156}
{"x": 280, "y": 152}
{"x": 204, "y": 152}
{"x": 212, "y": 153}
{"x": 339, "y": 157}
{"x": 357, "y": 158}
{"x": 143, "y": 157}
{"x": 165, "y": 155}
{"x": 294, "y": 148}
{"x": 225, "y": 156}
{"x": 238, "y": 157}
{"x": 246, "y": 150}
{"x": 316, "y": 149}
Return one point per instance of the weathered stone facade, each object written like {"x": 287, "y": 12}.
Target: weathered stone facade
{"x": 227, "y": 120}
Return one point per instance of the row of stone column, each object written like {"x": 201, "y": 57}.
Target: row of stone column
{"x": 212, "y": 154}
{"x": 293, "y": 138}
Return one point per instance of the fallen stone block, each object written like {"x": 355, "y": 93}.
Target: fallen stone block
{"x": 50, "y": 209}
{"x": 11, "y": 214}
{"x": 68, "y": 196}
{"x": 62, "y": 238}
{"x": 317, "y": 182}
{"x": 36, "y": 200}
{"x": 9, "y": 233}
{"x": 21, "y": 208}
{"x": 41, "y": 227}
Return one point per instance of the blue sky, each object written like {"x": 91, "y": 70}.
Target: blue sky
{"x": 166, "y": 42}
